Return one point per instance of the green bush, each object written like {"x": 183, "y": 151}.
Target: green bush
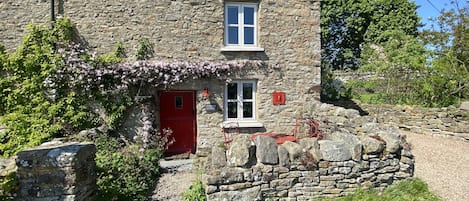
{"x": 125, "y": 172}
{"x": 196, "y": 192}
{"x": 333, "y": 89}
{"x": 34, "y": 106}
{"x": 8, "y": 186}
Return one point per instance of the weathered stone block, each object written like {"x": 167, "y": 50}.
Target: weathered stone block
{"x": 284, "y": 159}
{"x": 372, "y": 145}
{"x": 266, "y": 150}
{"x": 239, "y": 152}
{"x": 236, "y": 186}
{"x": 253, "y": 193}
{"x": 393, "y": 140}
{"x": 294, "y": 150}
{"x": 57, "y": 171}
{"x": 351, "y": 141}
{"x": 464, "y": 106}
{"x": 218, "y": 157}
{"x": 334, "y": 151}
{"x": 311, "y": 145}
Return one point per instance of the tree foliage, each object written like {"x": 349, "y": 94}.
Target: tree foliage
{"x": 347, "y": 25}
{"x": 448, "y": 40}
{"x": 430, "y": 69}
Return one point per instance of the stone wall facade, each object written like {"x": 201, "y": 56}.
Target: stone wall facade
{"x": 193, "y": 30}
{"x": 450, "y": 122}
{"x": 57, "y": 172}
{"x": 356, "y": 152}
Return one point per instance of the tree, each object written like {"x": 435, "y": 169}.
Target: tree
{"x": 347, "y": 25}
{"x": 448, "y": 42}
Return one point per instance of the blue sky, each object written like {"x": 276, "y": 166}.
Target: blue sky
{"x": 426, "y": 9}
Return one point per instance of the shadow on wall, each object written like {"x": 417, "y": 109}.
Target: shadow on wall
{"x": 348, "y": 104}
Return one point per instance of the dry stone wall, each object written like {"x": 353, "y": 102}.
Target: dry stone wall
{"x": 450, "y": 122}
{"x": 349, "y": 157}
{"x": 56, "y": 172}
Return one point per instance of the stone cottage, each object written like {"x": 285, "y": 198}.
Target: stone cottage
{"x": 282, "y": 34}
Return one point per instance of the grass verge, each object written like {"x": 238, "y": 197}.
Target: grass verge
{"x": 408, "y": 190}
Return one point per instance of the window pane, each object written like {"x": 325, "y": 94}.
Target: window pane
{"x": 247, "y": 109}
{"x": 232, "y": 15}
{"x": 233, "y": 35}
{"x": 247, "y": 90}
{"x": 249, "y": 15}
{"x": 232, "y": 110}
{"x": 232, "y": 91}
{"x": 178, "y": 102}
{"x": 249, "y": 35}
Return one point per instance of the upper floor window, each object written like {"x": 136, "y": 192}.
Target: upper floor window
{"x": 241, "y": 26}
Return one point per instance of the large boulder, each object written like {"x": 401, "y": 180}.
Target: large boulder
{"x": 266, "y": 150}
{"x": 311, "y": 145}
{"x": 239, "y": 152}
{"x": 294, "y": 150}
{"x": 218, "y": 157}
{"x": 334, "y": 151}
{"x": 351, "y": 141}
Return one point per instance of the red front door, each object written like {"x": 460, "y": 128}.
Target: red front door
{"x": 177, "y": 112}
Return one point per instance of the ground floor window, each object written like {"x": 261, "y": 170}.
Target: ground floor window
{"x": 240, "y": 102}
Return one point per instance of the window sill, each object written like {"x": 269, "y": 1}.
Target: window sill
{"x": 241, "y": 124}
{"x": 241, "y": 49}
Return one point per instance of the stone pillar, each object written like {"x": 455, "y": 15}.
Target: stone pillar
{"x": 53, "y": 172}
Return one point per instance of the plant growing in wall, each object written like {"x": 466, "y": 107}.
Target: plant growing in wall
{"x": 144, "y": 49}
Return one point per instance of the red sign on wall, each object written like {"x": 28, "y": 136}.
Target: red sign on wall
{"x": 278, "y": 98}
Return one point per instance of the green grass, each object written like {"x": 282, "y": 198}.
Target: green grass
{"x": 409, "y": 190}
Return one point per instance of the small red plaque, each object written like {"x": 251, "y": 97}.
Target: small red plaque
{"x": 278, "y": 98}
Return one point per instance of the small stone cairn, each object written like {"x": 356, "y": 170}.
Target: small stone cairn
{"x": 365, "y": 155}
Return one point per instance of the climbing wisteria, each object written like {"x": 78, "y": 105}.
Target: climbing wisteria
{"x": 90, "y": 75}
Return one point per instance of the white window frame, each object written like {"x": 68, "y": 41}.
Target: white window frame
{"x": 240, "y": 100}
{"x": 241, "y": 46}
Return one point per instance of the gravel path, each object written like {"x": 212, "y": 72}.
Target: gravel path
{"x": 443, "y": 164}
{"x": 176, "y": 178}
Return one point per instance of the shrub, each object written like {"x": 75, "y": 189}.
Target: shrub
{"x": 333, "y": 89}
{"x": 196, "y": 192}
{"x": 35, "y": 108}
{"x": 8, "y": 186}
{"x": 125, "y": 172}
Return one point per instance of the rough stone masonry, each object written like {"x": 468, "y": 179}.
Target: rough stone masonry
{"x": 57, "y": 171}
{"x": 364, "y": 155}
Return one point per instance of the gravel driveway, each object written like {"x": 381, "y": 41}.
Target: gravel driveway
{"x": 442, "y": 163}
